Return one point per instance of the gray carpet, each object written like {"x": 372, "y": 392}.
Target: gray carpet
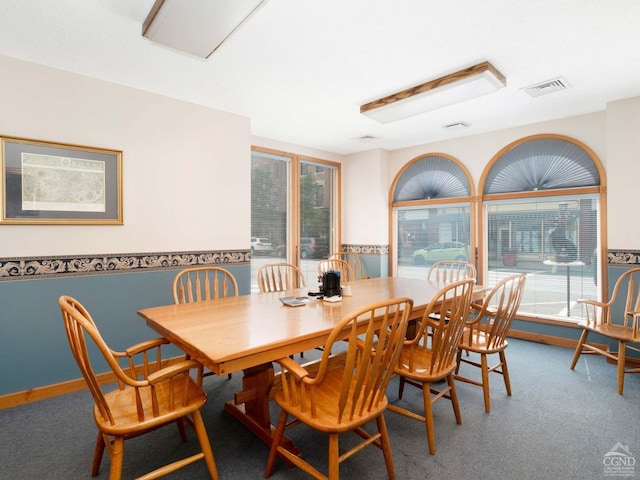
{"x": 559, "y": 424}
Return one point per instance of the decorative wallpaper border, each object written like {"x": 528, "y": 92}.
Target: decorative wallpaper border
{"x": 624, "y": 257}
{"x": 367, "y": 249}
{"x": 30, "y": 268}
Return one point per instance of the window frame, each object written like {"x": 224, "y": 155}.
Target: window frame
{"x": 540, "y": 195}
{"x": 396, "y": 206}
{"x": 293, "y": 236}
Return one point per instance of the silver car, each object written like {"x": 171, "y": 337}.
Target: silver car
{"x": 261, "y": 245}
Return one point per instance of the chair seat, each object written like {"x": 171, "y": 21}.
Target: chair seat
{"x": 123, "y": 407}
{"x": 617, "y": 332}
{"x": 327, "y": 409}
{"x": 478, "y": 342}
{"x": 415, "y": 364}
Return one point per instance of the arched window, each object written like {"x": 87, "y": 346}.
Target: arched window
{"x": 542, "y": 199}
{"x": 431, "y": 215}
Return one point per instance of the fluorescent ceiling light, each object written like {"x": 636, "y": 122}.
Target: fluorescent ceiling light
{"x": 197, "y": 27}
{"x": 457, "y": 87}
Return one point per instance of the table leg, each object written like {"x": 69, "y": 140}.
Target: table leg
{"x": 251, "y": 405}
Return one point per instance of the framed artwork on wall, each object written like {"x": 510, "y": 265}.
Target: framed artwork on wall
{"x": 57, "y": 183}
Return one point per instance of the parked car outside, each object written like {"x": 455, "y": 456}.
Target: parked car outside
{"x": 261, "y": 245}
{"x": 310, "y": 247}
{"x": 441, "y": 251}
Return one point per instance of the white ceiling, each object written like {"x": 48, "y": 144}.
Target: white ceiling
{"x": 300, "y": 69}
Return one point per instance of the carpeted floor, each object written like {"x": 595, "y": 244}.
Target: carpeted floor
{"x": 559, "y": 424}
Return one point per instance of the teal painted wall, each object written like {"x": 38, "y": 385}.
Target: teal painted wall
{"x": 375, "y": 265}
{"x": 33, "y": 345}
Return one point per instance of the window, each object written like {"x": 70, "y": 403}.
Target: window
{"x": 270, "y": 212}
{"x": 317, "y": 215}
{"x": 542, "y": 206}
{"x": 431, "y": 215}
{"x": 294, "y": 217}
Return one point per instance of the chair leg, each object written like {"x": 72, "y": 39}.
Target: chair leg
{"x": 205, "y": 445}
{"x": 334, "y": 463}
{"x": 117, "y": 456}
{"x": 622, "y": 358}
{"x": 401, "y": 387}
{"x": 97, "y": 455}
{"x": 454, "y": 399}
{"x": 386, "y": 447}
{"x": 181, "y": 429}
{"x": 505, "y": 372}
{"x": 578, "y": 352}
{"x": 485, "y": 382}
{"x": 277, "y": 438}
{"x": 428, "y": 417}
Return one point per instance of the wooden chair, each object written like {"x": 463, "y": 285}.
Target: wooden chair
{"x": 354, "y": 260}
{"x": 203, "y": 283}
{"x": 447, "y": 271}
{"x": 431, "y": 357}
{"x": 336, "y": 265}
{"x": 345, "y": 398}
{"x": 278, "y": 277}
{"x": 599, "y": 319}
{"x": 486, "y": 333}
{"x": 149, "y": 394}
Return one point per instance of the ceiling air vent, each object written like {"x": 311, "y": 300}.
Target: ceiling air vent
{"x": 456, "y": 126}
{"x": 550, "y": 86}
{"x": 367, "y": 138}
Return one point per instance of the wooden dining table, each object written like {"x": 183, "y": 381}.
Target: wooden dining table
{"x": 249, "y": 332}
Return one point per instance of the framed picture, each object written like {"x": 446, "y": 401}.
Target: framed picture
{"x": 56, "y": 183}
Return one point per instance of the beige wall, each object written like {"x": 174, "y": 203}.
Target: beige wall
{"x": 623, "y": 173}
{"x": 186, "y": 168}
{"x": 476, "y": 151}
{"x": 365, "y": 198}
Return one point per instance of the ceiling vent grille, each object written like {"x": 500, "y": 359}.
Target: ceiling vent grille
{"x": 544, "y": 88}
{"x": 456, "y": 126}
{"x": 367, "y": 138}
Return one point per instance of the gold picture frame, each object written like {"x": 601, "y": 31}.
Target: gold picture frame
{"x": 59, "y": 184}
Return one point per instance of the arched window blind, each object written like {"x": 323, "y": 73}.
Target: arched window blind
{"x": 431, "y": 177}
{"x": 542, "y": 164}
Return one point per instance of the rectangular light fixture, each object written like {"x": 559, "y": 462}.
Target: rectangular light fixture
{"x": 197, "y": 27}
{"x": 454, "y": 88}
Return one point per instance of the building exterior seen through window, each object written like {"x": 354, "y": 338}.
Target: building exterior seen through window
{"x": 555, "y": 242}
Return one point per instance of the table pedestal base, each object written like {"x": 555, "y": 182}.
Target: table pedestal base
{"x": 251, "y": 405}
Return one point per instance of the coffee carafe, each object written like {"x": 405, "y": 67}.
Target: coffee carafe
{"x": 331, "y": 284}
